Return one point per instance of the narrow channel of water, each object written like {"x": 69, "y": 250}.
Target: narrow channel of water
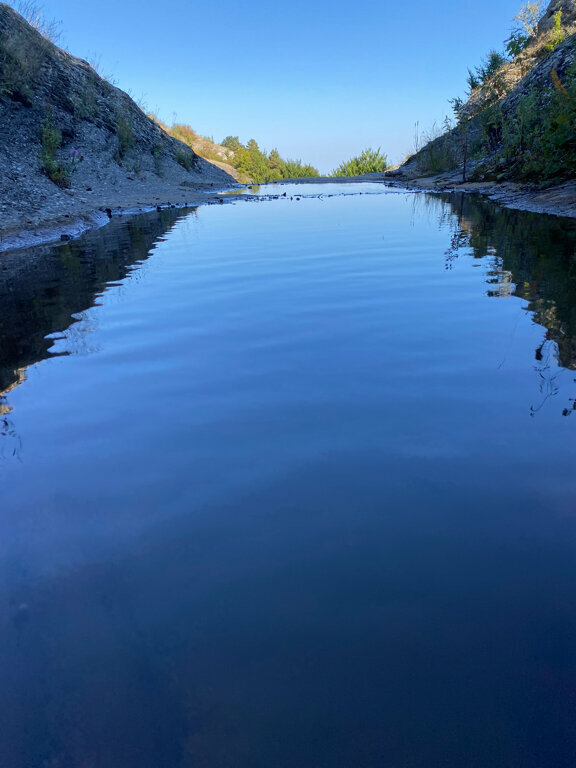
{"x": 291, "y": 483}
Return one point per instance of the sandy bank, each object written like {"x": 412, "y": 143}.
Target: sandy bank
{"x": 80, "y": 211}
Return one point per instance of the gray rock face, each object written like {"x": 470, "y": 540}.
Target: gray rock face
{"x": 539, "y": 79}
{"x": 568, "y": 10}
{"x": 109, "y": 151}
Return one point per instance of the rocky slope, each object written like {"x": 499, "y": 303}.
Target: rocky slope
{"x": 72, "y": 144}
{"x": 518, "y": 127}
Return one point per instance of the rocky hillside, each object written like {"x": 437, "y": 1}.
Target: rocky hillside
{"x": 220, "y": 156}
{"x": 71, "y": 142}
{"x": 519, "y": 122}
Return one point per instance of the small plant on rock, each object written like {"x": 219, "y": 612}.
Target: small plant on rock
{"x": 51, "y": 143}
{"x": 157, "y": 156}
{"x": 126, "y": 139}
{"x": 557, "y": 33}
{"x": 185, "y": 159}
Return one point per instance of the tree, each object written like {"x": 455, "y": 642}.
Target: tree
{"x": 528, "y": 17}
{"x": 461, "y": 132}
{"x": 262, "y": 167}
{"x": 275, "y": 161}
{"x": 231, "y": 142}
{"x": 526, "y": 21}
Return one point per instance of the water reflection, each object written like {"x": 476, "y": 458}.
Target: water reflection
{"x": 530, "y": 256}
{"x": 291, "y": 514}
{"x": 47, "y": 290}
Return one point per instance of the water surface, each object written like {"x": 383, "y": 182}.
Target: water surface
{"x": 291, "y": 483}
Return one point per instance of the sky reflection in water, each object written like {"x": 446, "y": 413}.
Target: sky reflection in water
{"x": 294, "y": 488}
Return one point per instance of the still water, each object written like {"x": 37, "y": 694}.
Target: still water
{"x": 291, "y": 484}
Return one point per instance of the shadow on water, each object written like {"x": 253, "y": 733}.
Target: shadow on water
{"x": 43, "y": 289}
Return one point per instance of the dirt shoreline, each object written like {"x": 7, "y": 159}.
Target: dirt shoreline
{"x": 558, "y": 200}
{"x": 73, "y": 220}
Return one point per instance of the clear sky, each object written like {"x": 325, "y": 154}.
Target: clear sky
{"x": 318, "y": 79}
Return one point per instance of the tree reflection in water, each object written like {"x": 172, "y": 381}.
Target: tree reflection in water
{"x": 531, "y": 256}
{"x": 45, "y": 292}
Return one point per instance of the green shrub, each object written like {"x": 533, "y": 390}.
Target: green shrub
{"x": 557, "y": 33}
{"x": 536, "y": 141}
{"x": 86, "y": 107}
{"x": 51, "y": 142}
{"x": 126, "y": 138}
{"x": 295, "y": 169}
{"x": 368, "y": 161}
{"x": 516, "y": 43}
{"x": 186, "y": 159}
{"x": 157, "y": 155}
{"x": 491, "y": 126}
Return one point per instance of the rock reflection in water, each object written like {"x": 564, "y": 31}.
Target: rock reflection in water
{"x": 43, "y": 290}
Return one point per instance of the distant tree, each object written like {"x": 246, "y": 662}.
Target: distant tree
{"x": 369, "y": 161}
{"x": 231, "y": 142}
{"x": 526, "y": 21}
{"x": 259, "y": 168}
{"x": 262, "y": 167}
{"x": 528, "y": 17}
{"x": 276, "y": 164}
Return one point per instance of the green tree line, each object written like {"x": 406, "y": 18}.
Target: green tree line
{"x": 249, "y": 160}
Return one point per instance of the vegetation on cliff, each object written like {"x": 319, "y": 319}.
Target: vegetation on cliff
{"x": 518, "y": 120}
{"x": 57, "y": 110}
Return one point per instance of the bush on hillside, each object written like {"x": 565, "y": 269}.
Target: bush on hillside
{"x": 534, "y": 143}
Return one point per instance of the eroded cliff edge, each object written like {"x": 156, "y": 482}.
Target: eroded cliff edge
{"x": 72, "y": 145}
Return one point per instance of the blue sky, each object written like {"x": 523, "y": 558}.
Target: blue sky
{"x": 318, "y": 80}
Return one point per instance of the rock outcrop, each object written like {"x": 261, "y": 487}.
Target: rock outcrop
{"x": 566, "y": 7}
{"x": 70, "y": 141}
